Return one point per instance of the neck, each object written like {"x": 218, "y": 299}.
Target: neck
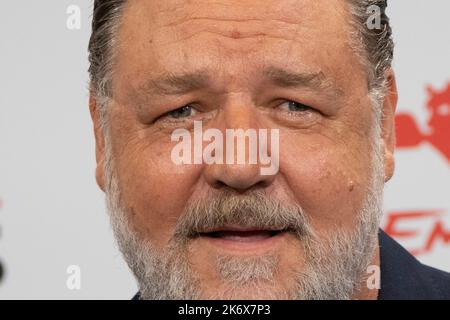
{"x": 369, "y": 288}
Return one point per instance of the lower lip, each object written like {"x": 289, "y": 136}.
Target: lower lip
{"x": 249, "y": 244}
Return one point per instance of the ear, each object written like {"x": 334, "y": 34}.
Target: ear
{"x": 388, "y": 125}
{"x": 99, "y": 142}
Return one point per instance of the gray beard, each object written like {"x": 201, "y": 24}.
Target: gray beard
{"x": 334, "y": 264}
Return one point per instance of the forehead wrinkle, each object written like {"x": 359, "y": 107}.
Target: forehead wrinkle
{"x": 180, "y": 22}
{"x": 239, "y": 11}
{"x": 245, "y": 28}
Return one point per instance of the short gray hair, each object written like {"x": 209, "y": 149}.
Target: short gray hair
{"x": 376, "y": 51}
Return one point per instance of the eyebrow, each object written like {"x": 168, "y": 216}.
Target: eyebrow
{"x": 291, "y": 79}
{"x": 176, "y": 84}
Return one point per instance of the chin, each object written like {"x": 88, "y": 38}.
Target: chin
{"x": 259, "y": 290}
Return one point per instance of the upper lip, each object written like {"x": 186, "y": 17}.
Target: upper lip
{"x": 238, "y": 228}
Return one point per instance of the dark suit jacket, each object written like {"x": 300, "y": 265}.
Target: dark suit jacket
{"x": 403, "y": 277}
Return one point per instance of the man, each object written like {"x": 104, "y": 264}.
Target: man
{"x": 313, "y": 83}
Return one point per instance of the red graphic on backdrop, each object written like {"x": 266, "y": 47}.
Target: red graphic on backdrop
{"x": 438, "y": 105}
{"x": 433, "y": 233}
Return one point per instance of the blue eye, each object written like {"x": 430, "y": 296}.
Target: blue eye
{"x": 183, "y": 112}
{"x": 293, "y": 106}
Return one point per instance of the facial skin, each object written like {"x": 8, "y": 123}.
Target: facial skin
{"x": 244, "y": 56}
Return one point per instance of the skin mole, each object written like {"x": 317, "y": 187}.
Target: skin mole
{"x": 235, "y": 34}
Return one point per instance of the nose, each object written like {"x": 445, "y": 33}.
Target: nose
{"x": 238, "y": 177}
{"x": 240, "y": 127}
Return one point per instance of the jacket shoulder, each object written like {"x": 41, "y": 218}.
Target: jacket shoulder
{"x": 440, "y": 280}
{"x": 404, "y": 277}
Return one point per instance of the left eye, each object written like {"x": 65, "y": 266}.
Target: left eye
{"x": 293, "y": 106}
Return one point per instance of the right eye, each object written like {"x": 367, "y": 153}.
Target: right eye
{"x": 183, "y": 112}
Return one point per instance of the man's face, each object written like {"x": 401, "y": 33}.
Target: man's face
{"x": 284, "y": 65}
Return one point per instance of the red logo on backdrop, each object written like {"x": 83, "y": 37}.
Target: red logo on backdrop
{"x": 438, "y": 105}
{"x": 428, "y": 224}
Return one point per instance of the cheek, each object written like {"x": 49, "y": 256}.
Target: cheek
{"x": 154, "y": 189}
{"x": 327, "y": 179}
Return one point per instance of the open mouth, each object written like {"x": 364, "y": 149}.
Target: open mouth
{"x": 249, "y": 235}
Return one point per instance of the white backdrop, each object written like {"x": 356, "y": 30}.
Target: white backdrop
{"x": 52, "y": 214}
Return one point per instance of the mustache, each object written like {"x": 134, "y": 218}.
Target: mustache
{"x": 255, "y": 210}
